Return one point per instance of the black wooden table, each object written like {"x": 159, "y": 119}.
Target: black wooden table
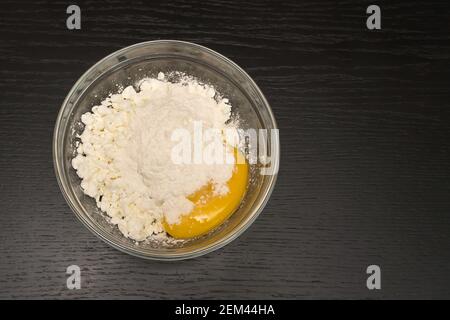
{"x": 364, "y": 127}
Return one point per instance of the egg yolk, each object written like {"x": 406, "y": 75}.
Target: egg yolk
{"x": 211, "y": 210}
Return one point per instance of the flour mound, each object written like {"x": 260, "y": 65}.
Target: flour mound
{"x": 125, "y": 157}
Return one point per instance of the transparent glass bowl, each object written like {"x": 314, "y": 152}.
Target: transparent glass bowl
{"x": 127, "y": 66}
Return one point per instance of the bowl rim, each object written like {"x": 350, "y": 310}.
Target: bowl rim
{"x": 241, "y": 228}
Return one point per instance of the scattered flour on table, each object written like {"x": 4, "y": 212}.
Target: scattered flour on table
{"x": 124, "y": 157}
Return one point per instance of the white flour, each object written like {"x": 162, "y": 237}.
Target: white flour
{"x": 124, "y": 158}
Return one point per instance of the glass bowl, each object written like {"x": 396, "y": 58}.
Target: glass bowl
{"x": 126, "y": 67}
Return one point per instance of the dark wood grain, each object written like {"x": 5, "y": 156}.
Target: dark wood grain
{"x": 364, "y": 126}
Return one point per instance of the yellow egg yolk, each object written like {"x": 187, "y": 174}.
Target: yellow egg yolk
{"x": 211, "y": 210}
